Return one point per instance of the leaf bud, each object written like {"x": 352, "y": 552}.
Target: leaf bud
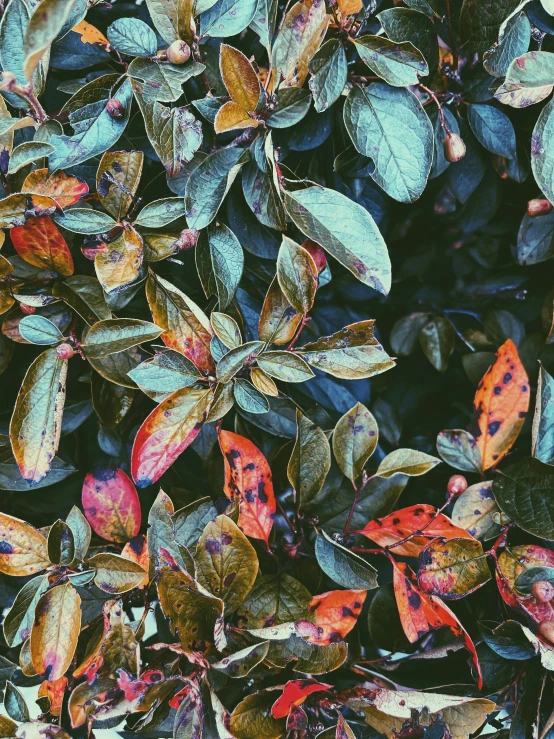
{"x": 542, "y": 590}
{"x": 65, "y": 351}
{"x": 546, "y": 630}
{"x": 456, "y": 485}
{"x": 115, "y": 108}
{"x": 454, "y": 147}
{"x": 178, "y": 52}
{"x": 538, "y": 207}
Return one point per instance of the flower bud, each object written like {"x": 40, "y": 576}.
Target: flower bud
{"x": 538, "y": 207}
{"x": 178, "y": 52}
{"x": 542, "y": 591}
{"x": 454, "y": 147}
{"x": 115, "y": 108}
{"x": 27, "y": 310}
{"x": 546, "y": 630}
{"x": 456, "y": 485}
{"x": 65, "y": 351}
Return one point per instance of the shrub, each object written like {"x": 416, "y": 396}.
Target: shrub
{"x": 213, "y": 524}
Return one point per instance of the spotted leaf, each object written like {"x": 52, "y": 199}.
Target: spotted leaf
{"x": 335, "y": 614}
{"x": 111, "y": 504}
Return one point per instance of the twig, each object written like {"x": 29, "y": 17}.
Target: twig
{"x": 439, "y": 106}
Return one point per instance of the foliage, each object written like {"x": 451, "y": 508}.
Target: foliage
{"x": 219, "y": 219}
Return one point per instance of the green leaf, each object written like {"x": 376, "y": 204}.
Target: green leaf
{"x": 345, "y": 230}
{"x": 399, "y": 64}
{"x": 236, "y": 359}
{"x": 310, "y": 460}
{"x": 35, "y": 426}
{"x": 329, "y": 69}
{"x": 543, "y": 420}
{"x": 292, "y": 106}
{"x": 409, "y": 25}
{"x": 161, "y": 81}
{"x": 15, "y": 21}
{"x": 61, "y": 545}
{"x": 274, "y": 600}
{"x": 39, "y": 330}
{"x": 209, "y": 183}
{"x": 262, "y": 196}
{"x": 159, "y": 213}
{"x": 437, "y": 341}
{"x": 220, "y": 261}
{"x": 453, "y": 569}
{"x": 354, "y": 440}
{"x": 535, "y": 240}
{"x": 81, "y": 531}
{"x": 389, "y": 126}
{"x": 165, "y": 372}
{"x": 480, "y": 22}
{"x": 493, "y": 129}
{"x": 118, "y": 334}
{"x": 85, "y": 295}
{"x": 285, "y": 366}
{"x": 227, "y": 18}
{"x": 189, "y": 522}
{"x": 240, "y": 663}
{"x": 226, "y": 562}
{"x": 252, "y": 718}
{"x": 44, "y": 25}
{"x": 14, "y": 703}
{"x": 85, "y": 221}
{"x": 249, "y": 398}
{"x": 351, "y": 354}
{"x": 133, "y": 37}
{"x": 226, "y": 329}
{"x": 344, "y": 567}
{"x": 165, "y": 17}
{"x": 19, "y": 619}
{"x": 408, "y": 462}
{"x": 405, "y": 333}
{"x": 513, "y": 43}
{"x": 542, "y": 152}
{"x": 115, "y": 574}
{"x": 297, "y": 275}
{"x": 27, "y": 153}
{"x": 525, "y": 492}
{"x": 459, "y": 449}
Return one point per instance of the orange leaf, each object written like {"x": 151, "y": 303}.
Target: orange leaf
{"x": 231, "y": 116}
{"x": 400, "y": 524}
{"x": 137, "y": 551}
{"x": 336, "y": 613}
{"x": 111, "y": 504}
{"x": 239, "y": 77}
{"x": 40, "y": 243}
{"x": 295, "y": 693}
{"x": 419, "y": 613}
{"x": 59, "y": 187}
{"x": 500, "y": 405}
{"x": 91, "y": 35}
{"x": 248, "y": 477}
{"x": 54, "y": 691}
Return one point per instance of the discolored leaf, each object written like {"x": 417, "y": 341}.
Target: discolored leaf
{"x": 453, "y": 569}
{"x": 284, "y": 366}
{"x": 119, "y": 263}
{"x": 354, "y": 440}
{"x": 294, "y": 694}
{"x": 111, "y": 504}
{"x": 239, "y": 77}
{"x": 335, "y": 614}
{"x": 116, "y": 335}
{"x": 117, "y": 180}
{"x": 459, "y": 449}
{"x": 41, "y": 244}
{"x": 115, "y": 574}
{"x": 297, "y": 275}
{"x": 19, "y": 619}
{"x": 474, "y": 511}
{"x": 399, "y": 64}
{"x": 279, "y": 321}
{"x": 23, "y": 549}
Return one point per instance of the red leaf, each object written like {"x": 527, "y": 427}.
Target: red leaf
{"x": 55, "y": 692}
{"x": 248, "y": 477}
{"x": 419, "y": 613}
{"x": 295, "y": 693}
{"x": 167, "y": 432}
{"x": 336, "y": 613}
{"x": 317, "y": 253}
{"x": 63, "y": 189}
{"x": 111, "y": 504}
{"x": 400, "y": 524}
{"x": 500, "y": 405}
{"x": 40, "y": 243}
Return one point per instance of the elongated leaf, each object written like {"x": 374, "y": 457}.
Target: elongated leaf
{"x": 118, "y": 334}
{"x": 297, "y": 275}
{"x": 220, "y": 261}
{"x": 239, "y": 77}
{"x": 115, "y": 574}
{"x": 399, "y": 64}
{"x": 346, "y": 568}
{"x": 117, "y": 180}
{"x": 44, "y": 25}
{"x": 23, "y": 549}
{"x": 542, "y": 155}
{"x": 310, "y": 460}
{"x": 19, "y": 619}
{"x": 354, "y": 440}
{"x": 543, "y": 440}
{"x": 335, "y": 615}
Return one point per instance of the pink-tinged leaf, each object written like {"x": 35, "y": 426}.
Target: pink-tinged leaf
{"x": 420, "y": 612}
{"x": 40, "y": 243}
{"x": 111, "y": 504}
{"x": 248, "y": 478}
{"x": 511, "y": 564}
{"x": 167, "y": 432}
{"x": 295, "y": 693}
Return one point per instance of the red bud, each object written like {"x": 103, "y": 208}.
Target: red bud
{"x": 538, "y": 207}
{"x": 457, "y": 485}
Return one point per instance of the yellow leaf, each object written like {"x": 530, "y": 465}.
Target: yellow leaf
{"x": 23, "y": 549}
{"x": 120, "y": 263}
{"x": 55, "y": 631}
{"x": 349, "y": 7}
{"x": 231, "y": 116}
{"x": 239, "y": 77}
{"x": 91, "y": 35}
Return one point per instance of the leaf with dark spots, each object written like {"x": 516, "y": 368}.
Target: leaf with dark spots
{"x": 335, "y": 615}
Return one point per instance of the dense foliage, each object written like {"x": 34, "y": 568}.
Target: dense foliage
{"x": 219, "y": 219}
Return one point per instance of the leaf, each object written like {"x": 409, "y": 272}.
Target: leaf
{"x": 299, "y": 37}
{"x": 133, "y": 37}
{"x": 278, "y": 320}
{"x": 389, "y": 126}
{"x": 420, "y": 612}
{"x": 480, "y": 21}
{"x": 535, "y": 242}
{"x": 160, "y": 81}
{"x": 55, "y": 631}
{"x": 274, "y": 600}
{"x": 19, "y": 619}
{"x": 209, "y": 183}
{"x": 310, "y": 460}
{"x": 27, "y": 153}
{"x": 115, "y": 574}
{"x": 220, "y": 262}
{"x": 248, "y": 478}
{"x": 344, "y": 567}
{"x": 329, "y": 69}
{"x": 41, "y": 244}
{"x": 59, "y": 187}
{"x": 232, "y": 116}
{"x": 524, "y": 492}
{"x": 542, "y": 439}
{"x": 437, "y": 341}
{"x": 529, "y": 80}
{"x": 227, "y": 18}
{"x": 232, "y": 362}
{"x": 408, "y": 462}
{"x": 118, "y": 334}
{"x": 14, "y": 703}
{"x": 85, "y": 220}
{"x": 226, "y": 329}
{"x": 292, "y": 106}
{"x": 343, "y": 730}
{"x": 39, "y": 330}
{"x": 541, "y": 152}
{"x": 459, "y": 449}
{"x": 345, "y": 230}
{"x": 513, "y": 42}
{"x": 248, "y": 397}
{"x": 407, "y": 25}
{"x": 159, "y": 213}
{"x": 165, "y": 17}
{"x": 61, "y": 545}
{"x": 186, "y": 328}
{"x": 239, "y": 78}
{"x": 474, "y": 509}
{"x": 226, "y": 562}
{"x": 85, "y": 295}
{"x": 44, "y": 25}
{"x": 117, "y": 179}
{"x": 252, "y": 719}
{"x": 81, "y": 531}
{"x": 167, "y": 432}
{"x": 12, "y": 34}
{"x": 500, "y": 405}
{"x": 354, "y": 440}
{"x": 493, "y": 129}
{"x": 111, "y": 504}
{"x": 241, "y": 663}
{"x": 297, "y": 275}
{"x": 295, "y": 693}
{"x": 285, "y": 366}
{"x": 119, "y": 264}
{"x": 189, "y": 719}
{"x": 399, "y": 64}
{"x": 453, "y": 569}
{"x": 23, "y": 549}
{"x": 335, "y": 614}
{"x": 165, "y": 372}
{"x": 36, "y": 423}
{"x": 418, "y": 522}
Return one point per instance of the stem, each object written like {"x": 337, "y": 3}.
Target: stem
{"x": 26, "y": 92}
{"x": 197, "y": 56}
{"x": 439, "y": 106}
{"x": 304, "y": 321}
